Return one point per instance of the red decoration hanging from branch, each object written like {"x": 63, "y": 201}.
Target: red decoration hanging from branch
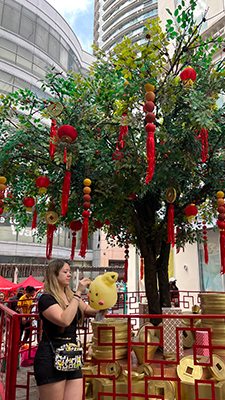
{"x": 191, "y": 211}
{"x": 142, "y": 268}
{"x": 53, "y": 136}
{"x": 75, "y": 226}
{"x": 65, "y": 193}
{"x": 126, "y": 262}
{"x": 203, "y": 137}
{"x": 34, "y": 221}
{"x": 51, "y": 219}
{"x": 150, "y": 129}
{"x": 170, "y": 198}
{"x": 67, "y": 134}
{"x": 85, "y": 214}
{"x": 188, "y": 76}
{"x": 204, "y": 231}
{"x": 221, "y": 226}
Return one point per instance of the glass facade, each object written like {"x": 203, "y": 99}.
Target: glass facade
{"x": 41, "y": 46}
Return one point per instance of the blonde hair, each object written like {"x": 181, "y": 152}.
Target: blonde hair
{"x": 51, "y": 284}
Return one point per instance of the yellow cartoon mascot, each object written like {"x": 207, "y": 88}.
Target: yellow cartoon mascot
{"x": 103, "y": 291}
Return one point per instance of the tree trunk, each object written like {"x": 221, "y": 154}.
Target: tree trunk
{"x": 162, "y": 268}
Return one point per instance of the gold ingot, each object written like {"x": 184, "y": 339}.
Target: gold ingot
{"x": 106, "y": 352}
{"x": 141, "y": 350}
{"x": 106, "y": 385}
{"x": 204, "y": 390}
{"x": 145, "y": 369}
{"x": 89, "y": 369}
{"x": 150, "y": 332}
{"x": 161, "y": 387}
{"x": 107, "y": 337}
{"x": 188, "y": 339}
{"x": 119, "y": 325}
{"x": 113, "y": 369}
{"x": 187, "y": 371}
{"x": 218, "y": 368}
{"x": 195, "y": 309}
{"x": 135, "y": 376}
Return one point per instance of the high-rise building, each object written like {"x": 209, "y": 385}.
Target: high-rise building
{"x": 115, "y": 19}
{"x": 33, "y": 37}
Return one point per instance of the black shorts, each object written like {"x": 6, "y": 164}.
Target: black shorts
{"x": 44, "y": 370}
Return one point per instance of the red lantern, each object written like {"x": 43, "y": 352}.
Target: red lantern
{"x": 191, "y": 211}
{"x": 42, "y": 182}
{"x": 28, "y": 203}
{"x": 1, "y": 211}
{"x": 188, "y": 73}
{"x": 107, "y": 222}
{"x": 149, "y": 106}
{"x": 150, "y": 128}
{"x": 74, "y": 226}
{"x": 98, "y": 224}
{"x": 67, "y": 133}
{"x": 150, "y": 117}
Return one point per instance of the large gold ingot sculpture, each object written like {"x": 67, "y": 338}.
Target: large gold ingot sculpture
{"x": 214, "y": 303}
{"x": 105, "y": 352}
{"x": 106, "y": 385}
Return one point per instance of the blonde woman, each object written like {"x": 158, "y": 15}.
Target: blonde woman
{"x": 60, "y": 309}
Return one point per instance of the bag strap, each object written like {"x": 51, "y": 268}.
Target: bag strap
{"x": 51, "y": 345}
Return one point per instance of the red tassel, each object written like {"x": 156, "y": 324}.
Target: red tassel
{"x": 203, "y": 137}
{"x": 50, "y": 232}
{"x": 206, "y": 254}
{"x": 53, "y": 135}
{"x": 170, "y": 226}
{"x": 84, "y": 238}
{"x": 142, "y": 269}
{"x": 65, "y": 154}
{"x": 222, "y": 251}
{"x": 150, "y": 150}
{"x": 34, "y": 222}
{"x": 73, "y": 246}
{"x": 65, "y": 193}
{"x": 122, "y": 135}
{"x": 125, "y": 270}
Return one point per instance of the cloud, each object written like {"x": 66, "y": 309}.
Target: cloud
{"x": 79, "y": 14}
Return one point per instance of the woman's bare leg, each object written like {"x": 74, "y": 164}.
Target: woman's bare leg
{"x": 52, "y": 391}
{"x": 73, "y": 389}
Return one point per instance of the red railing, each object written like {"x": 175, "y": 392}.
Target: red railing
{"x": 164, "y": 365}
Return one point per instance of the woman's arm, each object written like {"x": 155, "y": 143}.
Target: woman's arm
{"x": 62, "y": 317}
{"x": 89, "y": 310}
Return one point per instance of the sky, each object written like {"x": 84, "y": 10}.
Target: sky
{"x": 79, "y": 14}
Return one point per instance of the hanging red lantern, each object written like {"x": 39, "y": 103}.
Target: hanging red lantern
{"x": 1, "y": 211}
{"x": 98, "y": 224}
{"x": 191, "y": 211}
{"x": 107, "y": 222}
{"x": 75, "y": 226}
{"x": 42, "y": 182}
{"x": 149, "y": 106}
{"x": 29, "y": 202}
{"x": 67, "y": 134}
{"x": 188, "y": 74}
{"x": 85, "y": 214}
{"x": 150, "y": 117}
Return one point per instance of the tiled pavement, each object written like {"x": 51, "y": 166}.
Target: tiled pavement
{"x": 21, "y": 393}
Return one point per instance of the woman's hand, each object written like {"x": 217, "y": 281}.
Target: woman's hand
{"x": 82, "y": 285}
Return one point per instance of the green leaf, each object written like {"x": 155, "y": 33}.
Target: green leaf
{"x": 176, "y": 12}
{"x": 169, "y": 12}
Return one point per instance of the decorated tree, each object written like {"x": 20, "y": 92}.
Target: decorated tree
{"x": 144, "y": 127}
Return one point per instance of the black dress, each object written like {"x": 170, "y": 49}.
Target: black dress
{"x": 44, "y": 370}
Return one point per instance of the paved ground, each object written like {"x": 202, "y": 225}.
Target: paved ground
{"x": 22, "y": 376}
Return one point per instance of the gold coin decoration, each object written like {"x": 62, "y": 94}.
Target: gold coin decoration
{"x": 135, "y": 376}
{"x": 113, "y": 369}
{"x": 187, "y": 371}
{"x": 218, "y": 368}
{"x": 54, "y": 109}
{"x": 171, "y": 195}
{"x": 51, "y": 217}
